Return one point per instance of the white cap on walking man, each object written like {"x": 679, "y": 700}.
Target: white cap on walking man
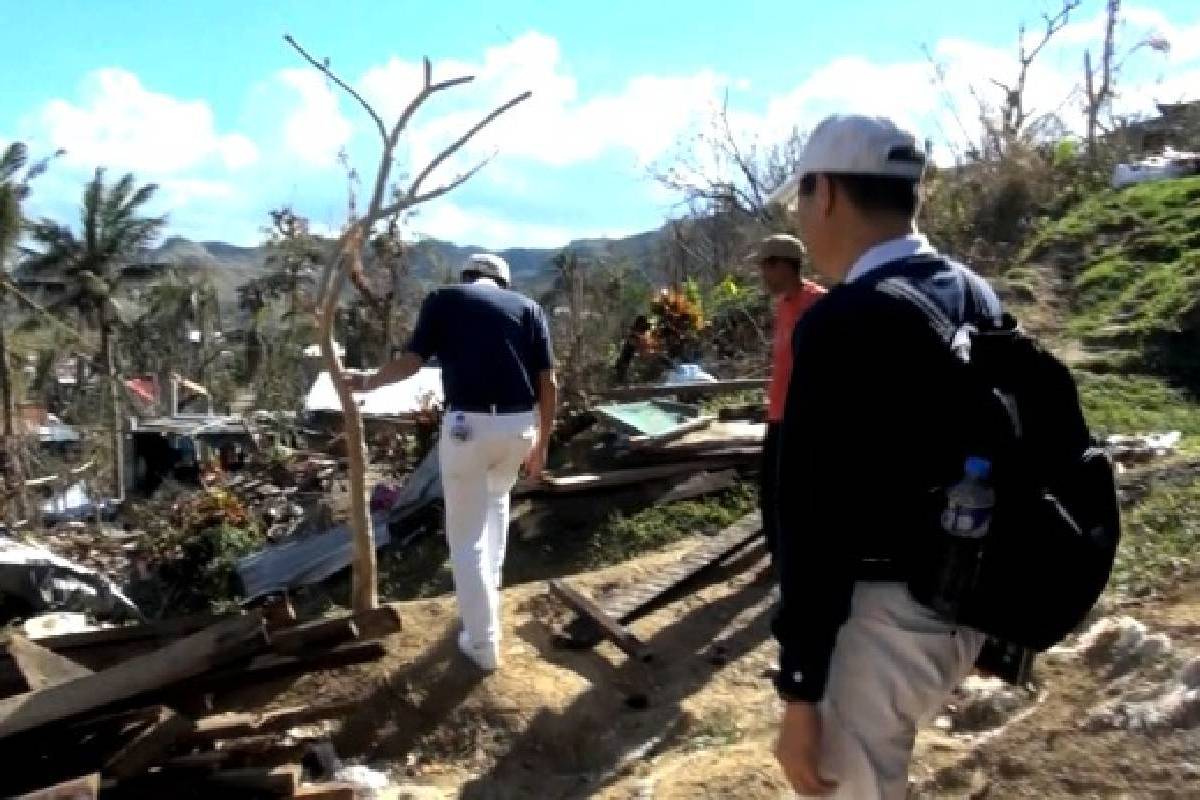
{"x": 486, "y": 265}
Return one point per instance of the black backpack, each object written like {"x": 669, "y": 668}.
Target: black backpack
{"x": 1056, "y": 524}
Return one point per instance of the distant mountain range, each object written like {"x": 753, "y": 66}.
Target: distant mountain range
{"x": 229, "y": 266}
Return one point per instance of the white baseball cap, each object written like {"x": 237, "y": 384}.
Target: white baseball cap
{"x": 852, "y": 144}
{"x": 488, "y": 266}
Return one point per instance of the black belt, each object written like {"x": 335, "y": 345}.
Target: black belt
{"x": 494, "y": 408}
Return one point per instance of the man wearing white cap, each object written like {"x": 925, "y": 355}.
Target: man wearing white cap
{"x": 493, "y": 346}
{"x": 861, "y": 662}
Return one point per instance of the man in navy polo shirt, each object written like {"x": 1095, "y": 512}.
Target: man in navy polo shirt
{"x": 493, "y": 346}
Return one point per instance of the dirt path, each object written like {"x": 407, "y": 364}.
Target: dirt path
{"x": 699, "y": 720}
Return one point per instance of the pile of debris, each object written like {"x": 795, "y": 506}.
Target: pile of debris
{"x": 128, "y": 709}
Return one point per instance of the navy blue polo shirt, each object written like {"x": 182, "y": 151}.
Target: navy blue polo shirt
{"x": 492, "y": 343}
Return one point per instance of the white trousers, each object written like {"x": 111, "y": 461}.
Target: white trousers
{"x": 894, "y": 664}
{"x": 478, "y": 472}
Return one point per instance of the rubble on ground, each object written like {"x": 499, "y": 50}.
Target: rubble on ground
{"x": 131, "y": 704}
{"x": 1174, "y": 704}
{"x": 982, "y": 703}
{"x": 1120, "y": 644}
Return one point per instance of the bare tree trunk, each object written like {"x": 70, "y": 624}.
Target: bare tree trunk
{"x": 117, "y": 429}
{"x": 364, "y": 590}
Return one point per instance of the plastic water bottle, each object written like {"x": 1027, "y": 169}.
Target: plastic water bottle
{"x": 966, "y": 521}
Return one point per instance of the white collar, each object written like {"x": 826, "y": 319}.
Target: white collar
{"x": 912, "y": 244}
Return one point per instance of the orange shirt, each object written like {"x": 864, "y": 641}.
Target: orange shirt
{"x": 788, "y": 309}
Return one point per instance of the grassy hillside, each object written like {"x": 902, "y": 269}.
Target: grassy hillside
{"x": 1130, "y": 260}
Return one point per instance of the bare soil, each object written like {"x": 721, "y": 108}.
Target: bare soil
{"x": 698, "y": 721}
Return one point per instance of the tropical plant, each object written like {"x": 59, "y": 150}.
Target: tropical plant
{"x": 113, "y": 232}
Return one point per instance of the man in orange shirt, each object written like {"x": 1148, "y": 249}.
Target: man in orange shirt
{"x": 779, "y": 258}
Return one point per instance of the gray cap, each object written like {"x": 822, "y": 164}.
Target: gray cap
{"x": 781, "y": 246}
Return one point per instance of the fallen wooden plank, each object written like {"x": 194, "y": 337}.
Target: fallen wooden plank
{"x": 235, "y": 725}
{"x": 187, "y": 657}
{"x": 378, "y": 622}
{"x": 41, "y": 667}
{"x": 148, "y": 747}
{"x": 279, "y": 781}
{"x": 272, "y": 667}
{"x": 626, "y": 606}
{"x": 327, "y": 791}
{"x": 84, "y": 788}
{"x": 162, "y": 629}
{"x": 709, "y": 552}
{"x": 641, "y": 391}
{"x": 612, "y": 630}
{"x": 304, "y": 638}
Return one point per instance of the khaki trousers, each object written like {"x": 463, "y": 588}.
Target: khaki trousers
{"x": 894, "y": 664}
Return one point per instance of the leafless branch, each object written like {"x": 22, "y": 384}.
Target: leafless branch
{"x": 415, "y": 187}
{"x": 392, "y": 139}
{"x": 324, "y": 68}
{"x": 433, "y": 194}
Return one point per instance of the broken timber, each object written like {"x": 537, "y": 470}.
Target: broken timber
{"x": 146, "y": 748}
{"x": 192, "y": 655}
{"x": 42, "y": 667}
{"x": 627, "y": 606}
{"x": 612, "y": 630}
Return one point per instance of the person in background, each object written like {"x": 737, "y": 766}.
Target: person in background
{"x": 779, "y": 259}
{"x": 493, "y": 345}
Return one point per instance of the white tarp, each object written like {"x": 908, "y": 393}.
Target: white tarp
{"x": 403, "y": 397}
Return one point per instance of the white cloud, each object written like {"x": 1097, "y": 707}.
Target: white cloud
{"x": 315, "y": 129}
{"x": 555, "y": 127}
{"x": 121, "y": 124}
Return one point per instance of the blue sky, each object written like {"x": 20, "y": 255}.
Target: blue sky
{"x": 207, "y": 100}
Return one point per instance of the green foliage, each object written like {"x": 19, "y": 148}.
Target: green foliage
{"x": 1160, "y": 539}
{"x": 1138, "y": 404}
{"x": 112, "y": 233}
{"x": 622, "y": 537}
{"x": 1134, "y": 260}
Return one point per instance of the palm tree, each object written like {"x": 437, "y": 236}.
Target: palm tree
{"x": 13, "y": 190}
{"x": 113, "y": 233}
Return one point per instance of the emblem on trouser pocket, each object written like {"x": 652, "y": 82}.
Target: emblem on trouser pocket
{"x": 460, "y": 431}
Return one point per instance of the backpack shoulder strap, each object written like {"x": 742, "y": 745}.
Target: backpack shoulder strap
{"x": 901, "y": 289}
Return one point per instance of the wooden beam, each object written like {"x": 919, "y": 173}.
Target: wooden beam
{"x": 279, "y": 781}
{"x": 236, "y": 725}
{"x": 300, "y": 639}
{"x": 378, "y": 622}
{"x": 41, "y": 667}
{"x": 227, "y": 640}
{"x": 327, "y": 791}
{"x": 147, "y": 748}
{"x": 85, "y": 788}
{"x": 272, "y": 667}
{"x": 615, "y": 632}
{"x": 162, "y": 629}
{"x": 643, "y": 391}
